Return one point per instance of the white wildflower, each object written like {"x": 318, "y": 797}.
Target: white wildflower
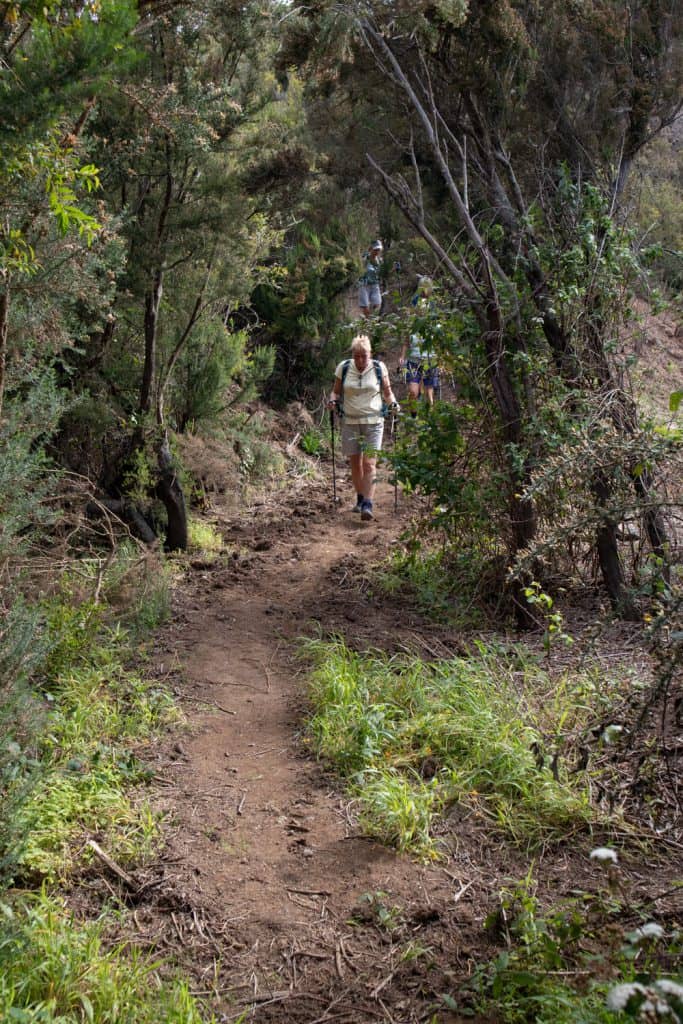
{"x": 604, "y": 855}
{"x": 669, "y": 987}
{"x": 611, "y": 733}
{"x": 651, "y": 930}
{"x": 619, "y": 997}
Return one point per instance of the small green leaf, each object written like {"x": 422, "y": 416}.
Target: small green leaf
{"x": 675, "y": 400}
{"x": 87, "y": 1008}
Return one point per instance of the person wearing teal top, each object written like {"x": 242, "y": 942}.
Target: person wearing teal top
{"x": 422, "y": 371}
{"x": 369, "y": 292}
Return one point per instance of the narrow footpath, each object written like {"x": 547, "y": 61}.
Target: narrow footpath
{"x": 267, "y": 891}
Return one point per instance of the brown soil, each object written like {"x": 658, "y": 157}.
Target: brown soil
{"x": 265, "y": 869}
{"x": 266, "y": 893}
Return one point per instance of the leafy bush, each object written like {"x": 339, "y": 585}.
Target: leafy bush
{"x": 571, "y": 963}
{"x": 21, "y": 720}
{"x": 26, "y": 476}
{"x": 314, "y": 442}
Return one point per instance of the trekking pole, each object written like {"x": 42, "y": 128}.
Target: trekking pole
{"x": 393, "y": 436}
{"x": 334, "y": 471}
{"x": 397, "y": 271}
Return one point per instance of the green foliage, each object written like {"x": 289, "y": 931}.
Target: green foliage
{"x": 96, "y": 708}
{"x": 653, "y": 191}
{"x": 434, "y": 455}
{"x": 26, "y": 477}
{"x": 314, "y": 442}
{"x": 399, "y": 809}
{"x": 54, "y": 969}
{"x": 216, "y": 371}
{"x": 258, "y": 460}
{"x": 462, "y": 587}
{"x": 21, "y": 719}
{"x": 73, "y": 630}
{"x": 204, "y": 537}
{"x": 71, "y": 713}
{"x": 573, "y": 962}
{"x": 414, "y": 739}
{"x": 134, "y": 590}
{"x": 377, "y": 907}
{"x": 301, "y": 309}
{"x": 59, "y": 58}
{"x": 551, "y": 617}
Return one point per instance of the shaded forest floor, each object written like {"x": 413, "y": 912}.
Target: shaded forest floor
{"x": 266, "y": 892}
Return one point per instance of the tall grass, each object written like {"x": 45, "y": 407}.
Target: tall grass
{"x": 413, "y": 739}
{"x": 97, "y": 712}
{"x": 75, "y": 717}
{"x": 56, "y": 971}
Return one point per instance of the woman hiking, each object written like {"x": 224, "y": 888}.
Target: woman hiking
{"x": 360, "y": 395}
{"x": 369, "y": 292}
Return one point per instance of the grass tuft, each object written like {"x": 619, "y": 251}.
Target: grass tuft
{"x": 414, "y": 739}
{"x": 54, "y": 971}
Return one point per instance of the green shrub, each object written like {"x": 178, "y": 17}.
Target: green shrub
{"x": 21, "y": 721}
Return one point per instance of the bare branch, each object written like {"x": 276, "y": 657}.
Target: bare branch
{"x": 409, "y": 207}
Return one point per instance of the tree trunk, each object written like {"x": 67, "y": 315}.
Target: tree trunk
{"x": 608, "y": 552}
{"x": 152, "y": 303}
{"x": 171, "y": 493}
{"x": 128, "y": 513}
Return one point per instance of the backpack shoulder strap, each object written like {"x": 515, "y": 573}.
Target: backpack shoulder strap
{"x": 375, "y": 363}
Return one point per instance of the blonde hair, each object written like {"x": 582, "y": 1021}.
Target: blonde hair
{"x": 361, "y": 341}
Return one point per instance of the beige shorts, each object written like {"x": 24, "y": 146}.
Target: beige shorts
{"x": 360, "y": 438}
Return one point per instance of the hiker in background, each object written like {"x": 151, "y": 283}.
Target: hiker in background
{"x": 361, "y": 395}
{"x": 369, "y": 293}
{"x": 417, "y": 355}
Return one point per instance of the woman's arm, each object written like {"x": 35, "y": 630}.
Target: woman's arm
{"x": 387, "y": 392}
{"x": 335, "y": 393}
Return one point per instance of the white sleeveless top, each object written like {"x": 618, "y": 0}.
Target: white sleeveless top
{"x": 361, "y": 394}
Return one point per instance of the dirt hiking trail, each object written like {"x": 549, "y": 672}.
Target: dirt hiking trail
{"x": 278, "y": 905}
{"x": 266, "y": 893}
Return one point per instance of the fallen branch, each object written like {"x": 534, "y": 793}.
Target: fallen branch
{"x": 112, "y": 865}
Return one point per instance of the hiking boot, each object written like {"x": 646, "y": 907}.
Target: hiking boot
{"x": 358, "y": 507}
{"x": 366, "y": 512}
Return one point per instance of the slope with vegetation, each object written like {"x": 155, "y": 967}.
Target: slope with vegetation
{"x": 184, "y": 192}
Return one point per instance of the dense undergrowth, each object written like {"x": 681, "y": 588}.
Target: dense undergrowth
{"x": 76, "y": 717}
{"x": 494, "y": 741}
{"x": 592, "y": 959}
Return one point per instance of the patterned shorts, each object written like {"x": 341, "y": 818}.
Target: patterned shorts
{"x": 418, "y": 373}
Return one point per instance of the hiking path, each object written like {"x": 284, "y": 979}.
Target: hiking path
{"x": 267, "y": 890}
